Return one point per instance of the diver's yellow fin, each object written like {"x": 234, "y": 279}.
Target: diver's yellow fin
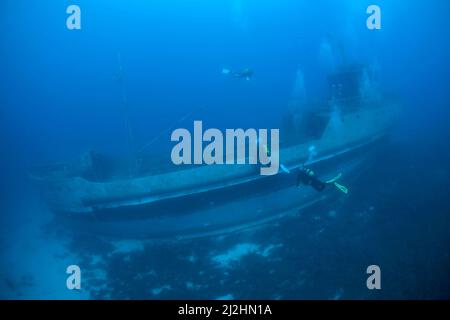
{"x": 335, "y": 178}
{"x": 340, "y": 187}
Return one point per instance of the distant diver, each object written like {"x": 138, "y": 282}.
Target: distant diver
{"x": 307, "y": 177}
{"x": 246, "y": 73}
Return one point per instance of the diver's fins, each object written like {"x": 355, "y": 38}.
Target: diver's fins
{"x": 334, "y": 179}
{"x": 226, "y": 71}
{"x": 339, "y": 186}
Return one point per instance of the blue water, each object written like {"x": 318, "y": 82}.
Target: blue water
{"x": 59, "y": 97}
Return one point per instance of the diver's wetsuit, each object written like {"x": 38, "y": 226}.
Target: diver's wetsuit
{"x": 307, "y": 179}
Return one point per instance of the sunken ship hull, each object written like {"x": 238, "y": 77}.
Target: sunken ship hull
{"x": 218, "y": 211}
{"x": 210, "y": 199}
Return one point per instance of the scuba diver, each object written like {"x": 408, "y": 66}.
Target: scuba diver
{"x": 307, "y": 177}
{"x": 246, "y": 73}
